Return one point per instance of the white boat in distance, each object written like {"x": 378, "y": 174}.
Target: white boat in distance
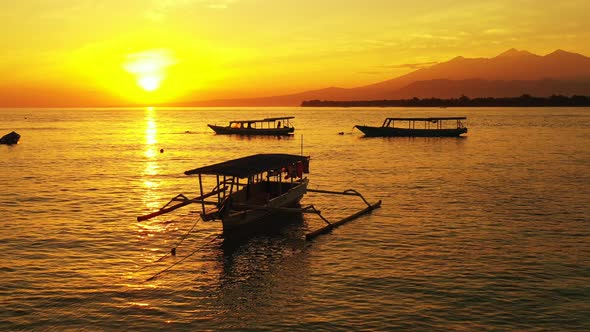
{"x": 269, "y": 126}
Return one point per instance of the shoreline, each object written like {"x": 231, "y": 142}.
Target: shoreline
{"x": 522, "y": 101}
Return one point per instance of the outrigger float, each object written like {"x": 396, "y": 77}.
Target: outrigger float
{"x": 252, "y": 190}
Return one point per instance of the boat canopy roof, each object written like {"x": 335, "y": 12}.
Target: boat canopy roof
{"x": 263, "y": 120}
{"x": 250, "y": 165}
{"x": 429, "y": 119}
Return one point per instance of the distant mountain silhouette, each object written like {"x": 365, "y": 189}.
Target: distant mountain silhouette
{"x": 511, "y": 73}
{"x": 492, "y": 88}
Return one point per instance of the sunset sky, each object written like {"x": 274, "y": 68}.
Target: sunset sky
{"x": 113, "y": 52}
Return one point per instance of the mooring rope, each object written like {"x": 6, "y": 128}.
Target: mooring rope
{"x": 185, "y": 235}
{"x": 180, "y": 261}
{"x": 173, "y": 248}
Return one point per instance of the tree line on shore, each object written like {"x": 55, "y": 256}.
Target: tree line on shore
{"x": 463, "y": 101}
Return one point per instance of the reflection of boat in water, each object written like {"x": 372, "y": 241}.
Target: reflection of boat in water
{"x": 268, "y": 126}
{"x": 252, "y": 190}
{"x": 427, "y": 127}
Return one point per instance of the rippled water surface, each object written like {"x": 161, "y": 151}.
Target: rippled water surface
{"x": 486, "y": 232}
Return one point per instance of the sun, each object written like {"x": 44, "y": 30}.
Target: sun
{"x": 149, "y": 83}
{"x": 149, "y": 68}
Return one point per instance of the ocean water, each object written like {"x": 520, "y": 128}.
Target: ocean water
{"x": 490, "y": 232}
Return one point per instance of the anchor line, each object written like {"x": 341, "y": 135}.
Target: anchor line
{"x": 187, "y": 233}
{"x": 180, "y": 261}
{"x": 173, "y": 248}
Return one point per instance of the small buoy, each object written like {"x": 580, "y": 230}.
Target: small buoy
{"x": 173, "y": 251}
{"x": 161, "y": 150}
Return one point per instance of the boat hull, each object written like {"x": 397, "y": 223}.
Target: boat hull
{"x": 10, "y": 138}
{"x": 408, "y": 132}
{"x": 221, "y": 130}
{"x": 245, "y": 221}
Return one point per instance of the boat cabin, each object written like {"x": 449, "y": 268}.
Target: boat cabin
{"x": 426, "y": 123}
{"x": 268, "y": 123}
{"x": 269, "y": 126}
{"x": 417, "y": 127}
{"x": 251, "y": 183}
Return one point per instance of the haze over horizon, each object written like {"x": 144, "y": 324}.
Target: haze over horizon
{"x": 87, "y": 53}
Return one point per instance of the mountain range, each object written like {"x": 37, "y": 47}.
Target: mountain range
{"x": 511, "y": 73}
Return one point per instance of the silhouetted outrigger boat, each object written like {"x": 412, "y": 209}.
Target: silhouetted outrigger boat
{"x": 252, "y": 190}
{"x": 428, "y": 127}
{"x": 268, "y": 126}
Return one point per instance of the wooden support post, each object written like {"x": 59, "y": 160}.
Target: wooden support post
{"x": 224, "y": 182}
{"x": 218, "y": 186}
{"x": 183, "y": 202}
{"x": 248, "y": 188}
{"x": 201, "y": 188}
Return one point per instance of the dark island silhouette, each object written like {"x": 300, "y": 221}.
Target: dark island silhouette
{"x": 464, "y": 101}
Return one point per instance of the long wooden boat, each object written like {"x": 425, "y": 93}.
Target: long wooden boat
{"x": 267, "y": 126}
{"x": 251, "y": 191}
{"x": 427, "y": 127}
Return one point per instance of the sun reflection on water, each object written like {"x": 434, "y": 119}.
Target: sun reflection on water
{"x": 151, "y": 170}
{"x": 151, "y": 128}
{"x": 139, "y": 304}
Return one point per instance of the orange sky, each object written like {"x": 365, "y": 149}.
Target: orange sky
{"x": 102, "y": 53}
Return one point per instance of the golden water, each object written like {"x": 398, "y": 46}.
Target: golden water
{"x": 486, "y": 232}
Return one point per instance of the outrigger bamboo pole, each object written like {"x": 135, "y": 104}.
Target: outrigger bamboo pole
{"x": 330, "y": 226}
{"x": 333, "y": 225}
{"x": 184, "y": 201}
{"x": 348, "y": 192}
{"x": 307, "y": 209}
{"x": 162, "y": 211}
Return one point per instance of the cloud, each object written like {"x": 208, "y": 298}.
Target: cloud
{"x": 496, "y": 32}
{"x": 220, "y": 4}
{"x": 69, "y": 10}
{"x": 149, "y": 62}
{"x": 402, "y": 66}
{"x": 418, "y": 65}
{"x": 155, "y": 16}
{"x": 161, "y": 8}
{"x": 371, "y": 72}
{"x": 431, "y": 36}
